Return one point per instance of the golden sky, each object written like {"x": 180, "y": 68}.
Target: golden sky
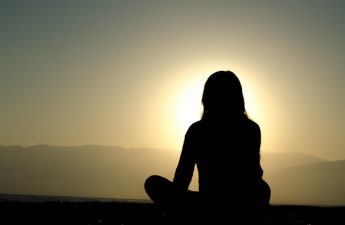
{"x": 130, "y": 73}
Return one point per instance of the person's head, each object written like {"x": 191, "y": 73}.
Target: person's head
{"x": 222, "y": 95}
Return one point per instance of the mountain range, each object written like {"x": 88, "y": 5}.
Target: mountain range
{"x": 117, "y": 172}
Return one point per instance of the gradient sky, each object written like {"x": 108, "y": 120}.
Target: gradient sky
{"x": 130, "y": 73}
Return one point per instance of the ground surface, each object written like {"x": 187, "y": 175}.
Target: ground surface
{"x": 131, "y": 213}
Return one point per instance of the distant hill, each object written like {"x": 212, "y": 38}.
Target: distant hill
{"x": 96, "y": 171}
{"x": 274, "y": 161}
{"x": 116, "y": 172}
{"x": 313, "y": 184}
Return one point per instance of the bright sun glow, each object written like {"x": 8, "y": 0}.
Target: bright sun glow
{"x": 250, "y": 105}
{"x": 188, "y": 107}
{"x": 184, "y": 106}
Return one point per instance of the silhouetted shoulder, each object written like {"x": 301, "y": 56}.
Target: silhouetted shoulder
{"x": 253, "y": 125}
{"x": 252, "y": 129}
{"x": 248, "y": 124}
{"x": 195, "y": 131}
{"x": 195, "y": 127}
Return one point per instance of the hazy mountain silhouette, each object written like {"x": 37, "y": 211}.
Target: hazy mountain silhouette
{"x": 112, "y": 171}
{"x": 274, "y": 161}
{"x": 97, "y": 171}
{"x": 311, "y": 184}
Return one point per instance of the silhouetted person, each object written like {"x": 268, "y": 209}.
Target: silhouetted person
{"x": 225, "y": 146}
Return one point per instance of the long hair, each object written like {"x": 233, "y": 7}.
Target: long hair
{"x": 223, "y": 96}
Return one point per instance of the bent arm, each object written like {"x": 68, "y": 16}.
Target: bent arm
{"x": 185, "y": 167}
{"x": 256, "y": 146}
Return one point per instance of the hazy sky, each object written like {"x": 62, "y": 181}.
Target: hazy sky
{"x": 130, "y": 73}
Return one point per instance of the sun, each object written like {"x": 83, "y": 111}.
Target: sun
{"x": 251, "y": 103}
{"x": 188, "y": 107}
{"x": 181, "y": 107}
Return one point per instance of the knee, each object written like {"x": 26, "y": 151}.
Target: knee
{"x": 149, "y": 183}
{"x": 155, "y": 183}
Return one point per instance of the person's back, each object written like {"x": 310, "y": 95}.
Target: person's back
{"x": 227, "y": 155}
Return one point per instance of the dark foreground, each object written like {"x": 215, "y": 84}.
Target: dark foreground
{"x": 139, "y": 213}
